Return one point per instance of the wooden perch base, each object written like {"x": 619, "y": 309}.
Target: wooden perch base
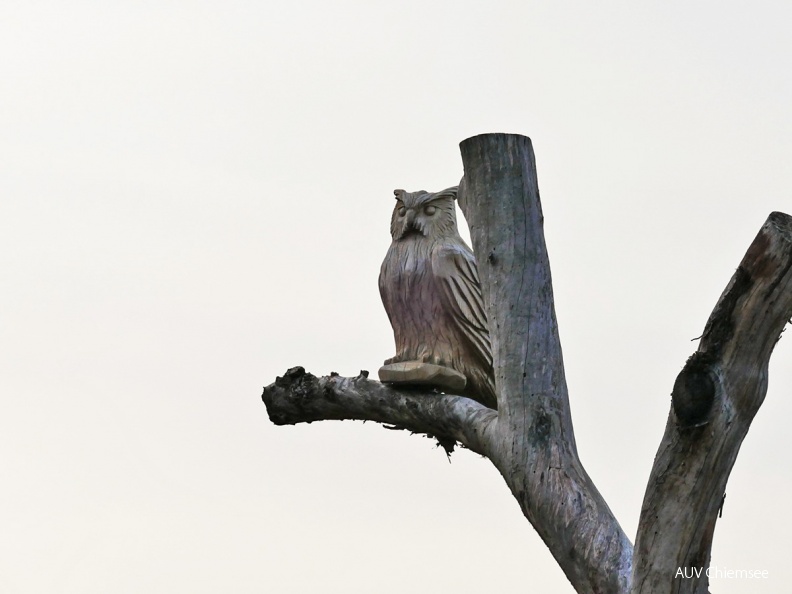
{"x": 418, "y": 373}
{"x": 530, "y": 439}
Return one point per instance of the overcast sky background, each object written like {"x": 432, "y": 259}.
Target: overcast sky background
{"x": 195, "y": 196}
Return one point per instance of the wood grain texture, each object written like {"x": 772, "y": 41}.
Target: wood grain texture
{"x": 536, "y": 451}
{"x": 714, "y": 400}
{"x": 530, "y": 438}
{"x": 417, "y": 373}
{"x": 430, "y": 288}
{"x": 300, "y": 397}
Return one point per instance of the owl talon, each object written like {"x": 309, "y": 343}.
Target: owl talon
{"x": 434, "y": 360}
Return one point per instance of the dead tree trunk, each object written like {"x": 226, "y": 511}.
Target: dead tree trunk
{"x": 530, "y": 437}
{"x": 714, "y": 400}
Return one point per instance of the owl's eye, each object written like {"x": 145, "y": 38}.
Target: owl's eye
{"x": 402, "y": 211}
{"x": 430, "y": 209}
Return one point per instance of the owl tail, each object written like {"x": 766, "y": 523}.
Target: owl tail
{"x": 481, "y": 388}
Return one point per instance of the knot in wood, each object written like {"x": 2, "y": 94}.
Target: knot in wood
{"x": 694, "y": 390}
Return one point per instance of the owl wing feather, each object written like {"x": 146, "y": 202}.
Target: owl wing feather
{"x": 455, "y": 269}
{"x": 382, "y": 281}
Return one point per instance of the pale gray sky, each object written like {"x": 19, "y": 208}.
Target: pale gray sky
{"x": 195, "y": 196}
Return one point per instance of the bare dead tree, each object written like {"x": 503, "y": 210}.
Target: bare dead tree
{"x": 530, "y": 437}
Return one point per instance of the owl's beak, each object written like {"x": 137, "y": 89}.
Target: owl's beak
{"x": 410, "y": 226}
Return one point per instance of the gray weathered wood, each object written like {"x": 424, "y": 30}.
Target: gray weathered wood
{"x": 530, "y": 437}
{"x": 536, "y": 452}
{"x": 299, "y": 397}
{"x": 714, "y": 400}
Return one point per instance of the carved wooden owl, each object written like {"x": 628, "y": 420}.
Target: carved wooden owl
{"x": 430, "y": 288}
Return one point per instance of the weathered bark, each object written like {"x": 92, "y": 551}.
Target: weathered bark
{"x": 536, "y": 452}
{"x": 714, "y": 400}
{"x": 299, "y": 397}
{"x": 530, "y": 437}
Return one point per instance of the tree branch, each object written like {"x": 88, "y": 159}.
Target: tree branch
{"x": 299, "y": 397}
{"x": 538, "y": 458}
{"x": 714, "y": 400}
{"x": 530, "y": 438}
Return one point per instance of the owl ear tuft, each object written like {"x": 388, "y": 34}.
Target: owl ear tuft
{"x": 452, "y": 192}
{"x": 399, "y": 194}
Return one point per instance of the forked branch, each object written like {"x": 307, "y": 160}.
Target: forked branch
{"x": 530, "y": 438}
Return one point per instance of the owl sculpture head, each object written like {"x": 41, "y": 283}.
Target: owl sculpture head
{"x": 423, "y": 215}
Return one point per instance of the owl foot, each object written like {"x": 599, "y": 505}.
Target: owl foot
{"x": 433, "y": 359}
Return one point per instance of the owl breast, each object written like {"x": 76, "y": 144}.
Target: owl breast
{"x": 414, "y": 303}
